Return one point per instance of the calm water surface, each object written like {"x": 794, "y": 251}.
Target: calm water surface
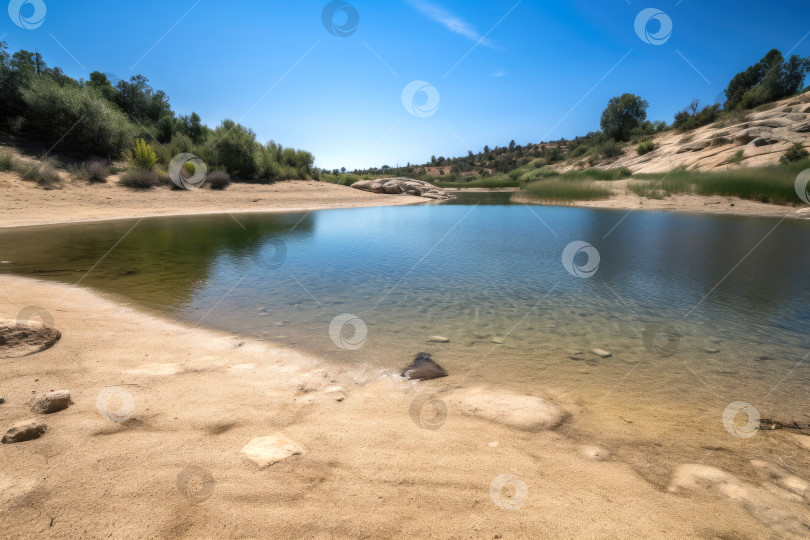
{"x": 479, "y": 271}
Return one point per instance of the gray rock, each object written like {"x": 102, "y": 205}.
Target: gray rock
{"x": 396, "y": 186}
{"x": 24, "y": 431}
{"x": 51, "y": 402}
{"x": 423, "y": 368}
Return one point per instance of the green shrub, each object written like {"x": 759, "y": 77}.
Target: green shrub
{"x": 79, "y": 119}
{"x": 6, "y": 162}
{"x": 646, "y": 148}
{"x": 97, "y": 171}
{"x": 218, "y": 180}
{"x": 140, "y": 179}
{"x": 738, "y": 157}
{"x": 795, "y": 153}
{"x": 611, "y": 150}
{"x": 143, "y": 156}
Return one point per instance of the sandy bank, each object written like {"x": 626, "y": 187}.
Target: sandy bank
{"x": 24, "y": 203}
{"x": 368, "y": 468}
{"x": 621, "y": 199}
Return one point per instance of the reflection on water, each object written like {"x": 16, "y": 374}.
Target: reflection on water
{"x": 490, "y": 278}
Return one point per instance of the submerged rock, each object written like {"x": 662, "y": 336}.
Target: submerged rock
{"x": 24, "y": 431}
{"x": 527, "y": 413}
{"x": 602, "y": 353}
{"x": 21, "y": 338}
{"x": 423, "y": 368}
{"x": 265, "y": 451}
{"x": 51, "y": 402}
{"x": 438, "y": 339}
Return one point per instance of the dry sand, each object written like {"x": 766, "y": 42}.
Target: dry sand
{"x": 24, "y": 203}
{"x": 366, "y": 470}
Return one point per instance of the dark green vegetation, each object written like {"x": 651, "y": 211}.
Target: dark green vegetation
{"x": 774, "y": 184}
{"x": 562, "y": 190}
{"x": 96, "y": 119}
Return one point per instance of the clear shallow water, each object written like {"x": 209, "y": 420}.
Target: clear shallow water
{"x": 480, "y": 270}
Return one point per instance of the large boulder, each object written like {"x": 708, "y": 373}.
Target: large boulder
{"x": 397, "y": 186}
{"x": 524, "y": 412}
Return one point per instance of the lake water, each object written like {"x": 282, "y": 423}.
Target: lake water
{"x": 695, "y": 320}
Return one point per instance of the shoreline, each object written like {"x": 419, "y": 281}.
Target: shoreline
{"x": 200, "y": 395}
{"x": 28, "y": 205}
{"x": 687, "y": 204}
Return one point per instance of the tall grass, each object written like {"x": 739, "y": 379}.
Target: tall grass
{"x": 600, "y": 174}
{"x": 772, "y": 184}
{"x": 483, "y": 183}
{"x": 557, "y": 191}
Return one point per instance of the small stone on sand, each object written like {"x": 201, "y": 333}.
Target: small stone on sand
{"x": 497, "y": 340}
{"x": 493, "y": 444}
{"x": 595, "y": 453}
{"x": 24, "y": 431}
{"x": 711, "y": 350}
{"x": 438, "y": 339}
{"x": 265, "y": 451}
{"x": 601, "y": 353}
{"x": 51, "y": 402}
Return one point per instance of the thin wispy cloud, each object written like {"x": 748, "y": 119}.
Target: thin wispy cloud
{"x": 451, "y": 21}
{"x": 499, "y": 73}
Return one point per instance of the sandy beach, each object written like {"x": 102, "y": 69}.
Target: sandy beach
{"x": 24, "y": 203}
{"x": 150, "y": 448}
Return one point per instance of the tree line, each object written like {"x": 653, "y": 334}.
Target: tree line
{"x": 102, "y": 118}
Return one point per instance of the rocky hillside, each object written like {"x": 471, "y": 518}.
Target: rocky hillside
{"x": 763, "y": 135}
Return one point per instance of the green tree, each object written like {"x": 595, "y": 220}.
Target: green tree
{"x": 622, "y": 115}
{"x": 770, "y": 79}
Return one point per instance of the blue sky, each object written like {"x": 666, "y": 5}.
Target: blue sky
{"x": 501, "y": 70}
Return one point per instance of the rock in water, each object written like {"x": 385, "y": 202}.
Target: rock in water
{"x": 265, "y": 451}
{"x": 423, "y": 368}
{"x": 24, "y": 431}
{"x": 527, "y": 413}
{"x": 438, "y": 339}
{"x": 51, "y": 402}
{"x": 21, "y": 338}
{"x": 602, "y": 353}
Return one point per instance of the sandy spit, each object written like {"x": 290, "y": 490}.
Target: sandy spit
{"x": 193, "y": 398}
